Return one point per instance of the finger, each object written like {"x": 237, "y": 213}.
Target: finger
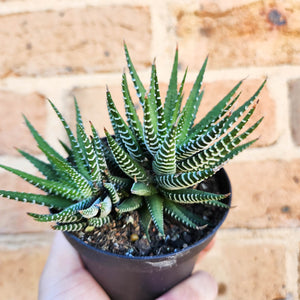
{"x": 64, "y": 276}
{"x": 62, "y": 254}
{"x": 200, "y": 286}
{"x": 206, "y": 250}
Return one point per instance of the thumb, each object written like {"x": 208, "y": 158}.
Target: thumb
{"x": 200, "y": 286}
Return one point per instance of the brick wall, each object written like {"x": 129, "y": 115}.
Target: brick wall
{"x": 57, "y": 49}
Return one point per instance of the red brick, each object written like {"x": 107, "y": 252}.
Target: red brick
{"x": 74, "y": 40}
{"x": 294, "y": 91}
{"x": 14, "y": 218}
{"x": 20, "y": 272}
{"x": 299, "y": 272}
{"x": 92, "y": 103}
{"x": 266, "y": 194}
{"x": 215, "y": 91}
{"x": 13, "y": 131}
{"x": 253, "y": 34}
{"x": 252, "y": 270}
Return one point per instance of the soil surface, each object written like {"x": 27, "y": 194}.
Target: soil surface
{"x": 125, "y": 236}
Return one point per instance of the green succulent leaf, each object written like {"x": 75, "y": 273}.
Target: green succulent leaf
{"x": 142, "y": 189}
{"x": 131, "y": 114}
{"x": 105, "y": 207}
{"x": 78, "y": 153}
{"x": 219, "y": 164}
{"x": 171, "y": 98}
{"x": 165, "y": 158}
{"x": 176, "y": 212}
{"x": 121, "y": 182}
{"x": 70, "y": 227}
{"x": 80, "y": 136}
{"x": 62, "y": 219}
{"x": 113, "y": 193}
{"x": 68, "y": 151}
{"x": 91, "y": 155}
{"x": 183, "y": 180}
{"x": 61, "y": 216}
{"x": 155, "y": 207}
{"x": 159, "y": 115}
{"x": 46, "y": 169}
{"x": 125, "y": 162}
{"x": 90, "y": 211}
{"x": 178, "y": 102}
{"x": 202, "y": 141}
{"x": 110, "y": 162}
{"x": 216, "y": 152}
{"x": 192, "y": 104}
{"x": 132, "y": 203}
{"x": 44, "y": 200}
{"x": 140, "y": 90}
{"x": 150, "y": 128}
{"x": 189, "y": 196}
{"x": 215, "y": 113}
{"x": 99, "y": 222}
{"x": 50, "y": 186}
{"x": 123, "y": 132}
{"x": 151, "y": 166}
{"x": 145, "y": 219}
{"x": 99, "y": 150}
{"x": 195, "y": 218}
{"x": 43, "y": 145}
{"x": 84, "y": 186}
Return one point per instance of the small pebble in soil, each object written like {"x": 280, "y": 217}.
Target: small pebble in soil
{"x": 124, "y": 236}
{"x": 134, "y": 237}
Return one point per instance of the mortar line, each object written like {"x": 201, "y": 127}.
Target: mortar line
{"x": 46, "y": 83}
{"x": 283, "y": 149}
{"x": 15, "y": 241}
{"x": 292, "y": 266}
{"x": 18, "y": 7}
{"x": 283, "y": 234}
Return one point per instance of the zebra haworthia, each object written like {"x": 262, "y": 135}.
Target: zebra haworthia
{"x": 152, "y": 164}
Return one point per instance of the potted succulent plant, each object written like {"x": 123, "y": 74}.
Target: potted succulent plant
{"x": 139, "y": 205}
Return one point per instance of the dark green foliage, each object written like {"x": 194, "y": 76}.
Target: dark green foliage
{"x": 150, "y": 166}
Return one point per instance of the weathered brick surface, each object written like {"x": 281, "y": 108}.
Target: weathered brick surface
{"x": 75, "y": 40}
{"x": 259, "y": 33}
{"x": 14, "y": 218}
{"x": 299, "y": 271}
{"x": 92, "y": 102}
{"x": 79, "y": 39}
{"x": 265, "y": 194}
{"x": 13, "y": 131}
{"x": 294, "y": 95}
{"x": 20, "y": 272}
{"x": 244, "y": 270}
{"x": 267, "y": 130}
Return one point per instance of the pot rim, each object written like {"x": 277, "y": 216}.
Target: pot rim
{"x": 164, "y": 256}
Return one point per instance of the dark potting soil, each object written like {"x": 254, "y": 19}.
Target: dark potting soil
{"x": 124, "y": 236}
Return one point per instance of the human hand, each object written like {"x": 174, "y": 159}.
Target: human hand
{"x": 64, "y": 277}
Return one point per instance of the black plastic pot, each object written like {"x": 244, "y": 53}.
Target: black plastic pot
{"x": 142, "y": 278}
